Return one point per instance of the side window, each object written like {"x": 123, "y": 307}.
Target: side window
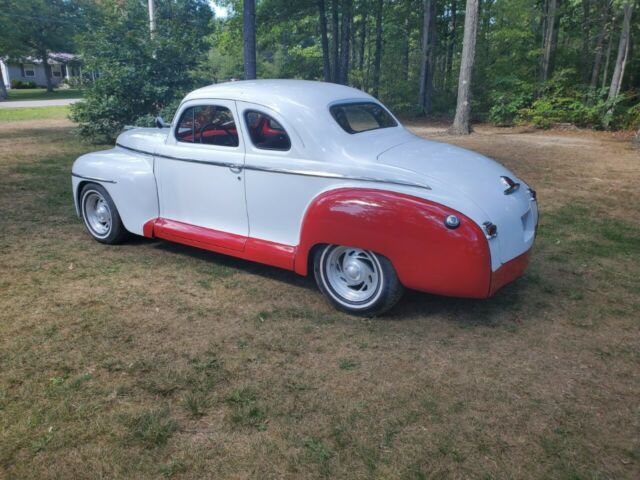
{"x": 208, "y": 124}
{"x": 265, "y": 132}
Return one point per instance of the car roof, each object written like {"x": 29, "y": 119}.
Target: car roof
{"x": 281, "y": 95}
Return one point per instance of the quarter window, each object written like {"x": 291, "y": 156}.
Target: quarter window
{"x": 362, "y": 117}
{"x": 208, "y": 124}
{"x": 265, "y": 132}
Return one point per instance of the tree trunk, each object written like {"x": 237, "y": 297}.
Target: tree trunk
{"x": 451, "y": 42}
{"x": 405, "y": 48}
{"x": 335, "y": 45}
{"x": 549, "y": 43}
{"x": 461, "y": 124}
{"x": 605, "y": 76}
{"x": 431, "y": 58}
{"x": 424, "y": 63}
{"x": 47, "y": 70}
{"x": 326, "y": 64}
{"x": 3, "y": 88}
{"x": 586, "y": 35}
{"x": 597, "y": 62}
{"x": 378, "y": 53}
{"x": 345, "y": 48}
{"x": 623, "y": 51}
{"x": 637, "y": 137}
{"x": 249, "y": 34}
{"x": 363, "y": 42}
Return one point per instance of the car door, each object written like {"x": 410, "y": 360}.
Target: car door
{"x": 200, "y": 172}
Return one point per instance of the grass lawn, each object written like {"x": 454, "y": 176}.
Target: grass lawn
{"x": 42, "y": 94}
{"x": 36, "y": 113}
{"x": 151, "y": 360}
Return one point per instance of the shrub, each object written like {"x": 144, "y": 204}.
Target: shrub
{"x": 139, "y": 76}
{"x": 508, "y": 98}
{"x": 23, "y": 84}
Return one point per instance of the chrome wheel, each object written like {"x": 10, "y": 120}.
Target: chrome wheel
{"x": 353, "y": 275}
{"x": 97, "y": 213}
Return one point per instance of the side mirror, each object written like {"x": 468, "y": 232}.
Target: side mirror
{"x": 160, "y": 123}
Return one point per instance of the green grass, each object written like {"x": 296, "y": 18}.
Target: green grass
{"x": 42, "y": 94}
{"x": 149, "y": 360}
{"x": 151, "y": 428}
{"x": 36, "y": 113}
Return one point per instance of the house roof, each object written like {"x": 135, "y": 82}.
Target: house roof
{"x": 54, "y": 58}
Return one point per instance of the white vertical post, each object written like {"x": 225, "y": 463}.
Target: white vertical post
{"x": 152, "y": 18}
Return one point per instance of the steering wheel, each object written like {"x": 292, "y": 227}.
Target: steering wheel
{"x": 215, "y": 125}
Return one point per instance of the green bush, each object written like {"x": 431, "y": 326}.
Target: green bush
{"x": 139, "y": 76}
{"x": 508, "y": 98}
{"x": 22, "y": 84}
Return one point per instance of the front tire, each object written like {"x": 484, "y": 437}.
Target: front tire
{"x": 100, "y": 215}
{"x": 356, "y": 281}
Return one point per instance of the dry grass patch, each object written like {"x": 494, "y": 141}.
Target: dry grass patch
{"x": 152, "y": 360}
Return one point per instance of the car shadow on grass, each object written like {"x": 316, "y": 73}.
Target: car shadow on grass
{"x": 230, "y": 262}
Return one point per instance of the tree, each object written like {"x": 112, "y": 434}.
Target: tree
{"x": 249, "y": 37}
{"x": 335, "y": 37}
{"x": 461, "y": 124}
{"x": 550, "y": 33}
{"x": 326, "y": 64}
{"x": 345, "y": 42}
{"x": 139, "y": 77}
{"x": 605, "y": 6}
{"x": 425, "y": 67}
{"x": 39, "y": 27}
{"x": 623, "y": 52}
{"x": 378, "y": 52}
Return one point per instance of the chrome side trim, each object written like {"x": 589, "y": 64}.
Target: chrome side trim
{"x": 103, "y": 180}
{"x": 283, "y": 171}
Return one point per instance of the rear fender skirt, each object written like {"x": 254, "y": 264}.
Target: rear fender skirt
{"x": 409, "y": 231}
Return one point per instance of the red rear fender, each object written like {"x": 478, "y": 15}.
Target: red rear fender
{"x": 409, "y": 231}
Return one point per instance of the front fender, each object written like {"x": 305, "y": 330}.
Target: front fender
{"x": 409, "y": 231}
{"x": 129, "y": 179}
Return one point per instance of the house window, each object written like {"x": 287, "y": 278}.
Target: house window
{"x": 29, "y": 70}
{"x": 56, "y": 70}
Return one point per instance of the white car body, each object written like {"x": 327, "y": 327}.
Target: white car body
{"x": 245, "y": 192}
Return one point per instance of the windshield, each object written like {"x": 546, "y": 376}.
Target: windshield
{"x": 362, "y": 116}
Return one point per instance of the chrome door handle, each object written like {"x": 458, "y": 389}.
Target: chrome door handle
{"x": 235, "y": 168}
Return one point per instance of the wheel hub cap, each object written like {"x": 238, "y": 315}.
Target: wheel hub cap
{"x": 352, "y": 273}
{"x": 97, "y": 214}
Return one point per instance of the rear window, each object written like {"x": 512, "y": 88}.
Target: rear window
{"x": 362, "y": 117}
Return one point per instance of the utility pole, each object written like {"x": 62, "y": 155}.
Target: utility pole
{"x": 152, "y": 18}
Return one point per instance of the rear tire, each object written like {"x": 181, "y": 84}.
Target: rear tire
{"x": 100, "y": 215}
{"x": 356, "y": 281}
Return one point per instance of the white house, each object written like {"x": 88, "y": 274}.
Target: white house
{"x": 29, "y": 69}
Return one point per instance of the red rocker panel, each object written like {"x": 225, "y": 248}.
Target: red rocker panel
{"x": 410, "y": 232}
{"x": 269, "y": 253}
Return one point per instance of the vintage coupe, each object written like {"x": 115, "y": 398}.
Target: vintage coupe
{"x": 314, "y": 176}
